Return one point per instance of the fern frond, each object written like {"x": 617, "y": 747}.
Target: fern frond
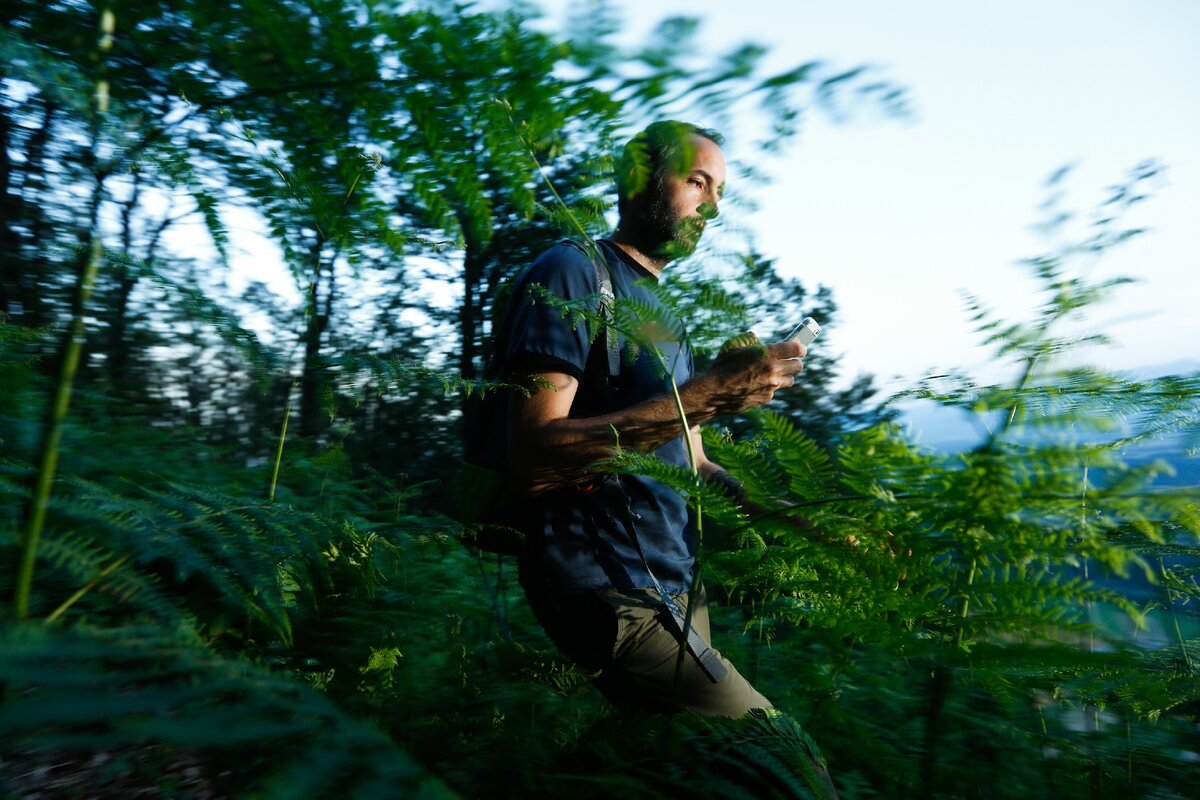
{"x": 82, "y": 690}
{"x": 87, "y": 562}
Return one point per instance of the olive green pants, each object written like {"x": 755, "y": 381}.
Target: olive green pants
{"x": 630, "y": 638}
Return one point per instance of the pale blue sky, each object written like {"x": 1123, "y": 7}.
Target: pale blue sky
{"x": 898, "y": 217}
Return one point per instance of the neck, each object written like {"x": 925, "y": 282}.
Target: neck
{"x": 622, "y": 239}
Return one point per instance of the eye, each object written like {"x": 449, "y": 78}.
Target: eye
{"x": 699, "y": 184}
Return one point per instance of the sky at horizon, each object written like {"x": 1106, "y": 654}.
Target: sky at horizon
{"x": 900, "y": 217}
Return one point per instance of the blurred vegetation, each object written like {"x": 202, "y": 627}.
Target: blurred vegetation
{"x": 225, "y": 518}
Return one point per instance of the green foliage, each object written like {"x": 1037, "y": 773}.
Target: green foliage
{"x": 1003, "y": 571}
{"x": 86, "y": 690}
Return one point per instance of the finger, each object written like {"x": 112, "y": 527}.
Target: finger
{"x": 791, "y": 367}
{"x": 783, "y": 350}
{"x": 747, "y": 339}
{"x": 782, "y": 382}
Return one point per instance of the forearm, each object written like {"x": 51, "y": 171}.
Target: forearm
{"x": 549, "y": 452}
{"x": 549, "y": 447}
{"x": 729, "y": 485}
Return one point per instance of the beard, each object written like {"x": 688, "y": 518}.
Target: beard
{"x": 658, "y": 231}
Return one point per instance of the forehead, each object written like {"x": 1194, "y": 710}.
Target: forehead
{"x": 706, "y": 157}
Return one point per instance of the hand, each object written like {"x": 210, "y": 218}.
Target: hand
{"x": 748, "y": 375}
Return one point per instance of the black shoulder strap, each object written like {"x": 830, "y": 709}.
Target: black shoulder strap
{"x": 705, "y": 656}
{"x": 612, "y": 344}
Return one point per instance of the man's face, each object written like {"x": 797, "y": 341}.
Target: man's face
{"x": 676, "y": 208}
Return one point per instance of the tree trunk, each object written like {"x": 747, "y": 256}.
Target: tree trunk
{"x": 312, "y": 379}
{"x": 34, "y": 308}
{"x": 8, "y": 208}
{"x": 469, "y": 326}
{"x": 118, "y": 344}
{"x": 471, "y": 310}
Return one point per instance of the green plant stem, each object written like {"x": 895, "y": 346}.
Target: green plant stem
{"x": 966, "y": 601}
{"x": 687, "y": 431}
{"x": 287, "y": 413}
{"x": 1025, "y": 377}
{"x": 73, "y": 599}
{"x": 1082, "y": 522}
{"x": 72, "y": 348}
{"x": 52, "y": 438}
{"x": 1187, "y": 659}
{"x": 353, "y": 186}
{"x": 694, "y": 587}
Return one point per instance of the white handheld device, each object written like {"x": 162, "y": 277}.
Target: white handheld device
{"x": 805, "y": 332}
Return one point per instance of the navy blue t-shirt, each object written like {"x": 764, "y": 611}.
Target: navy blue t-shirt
{"x": 579, "y": 539}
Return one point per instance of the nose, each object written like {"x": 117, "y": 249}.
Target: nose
{"x": 708, "y": 210}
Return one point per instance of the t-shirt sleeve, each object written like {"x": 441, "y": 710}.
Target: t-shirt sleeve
{"x": 537, "y": 334}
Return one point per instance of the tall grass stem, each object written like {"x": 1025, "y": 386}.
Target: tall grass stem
{"x": 72, "y": 351}
{"x": 287, "y": 413}
{"x": 87, "y": 587}
{"x": 52, "y": 438}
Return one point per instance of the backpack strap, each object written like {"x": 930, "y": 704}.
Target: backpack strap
{"x": 705, "y": 656}
{"x": 608, "y": 298}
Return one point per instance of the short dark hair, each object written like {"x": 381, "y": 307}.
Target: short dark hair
{"x": 648, "y": 156}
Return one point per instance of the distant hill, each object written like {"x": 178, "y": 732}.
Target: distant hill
{"x": 1182, "y": 366}
{"x": 949, "y": 429}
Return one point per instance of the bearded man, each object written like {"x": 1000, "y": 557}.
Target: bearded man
{"x": 608, "y": 559}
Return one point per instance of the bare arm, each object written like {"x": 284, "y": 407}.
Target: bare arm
{"x": 706, "y": 468}
{"x": 549, "y": 448}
